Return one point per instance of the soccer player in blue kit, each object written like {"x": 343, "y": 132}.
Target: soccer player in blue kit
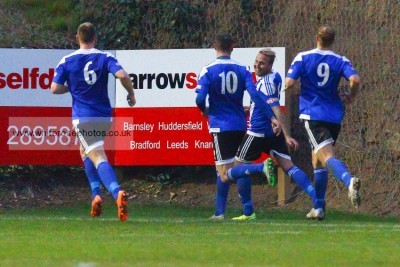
{"x": 321, "y": 110}
{"x": 224, "y": 82}
{"x": 260, "y": 137}
{"x": 84, "y": 73}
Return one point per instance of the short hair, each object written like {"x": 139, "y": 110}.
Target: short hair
{"x": 86, "y": 32}
{"x": 224, "y": 42}
{"x": 326, "y": 36}
{"x": 271, "y": 55}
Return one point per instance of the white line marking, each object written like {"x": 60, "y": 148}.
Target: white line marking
{"x": 207, "y": 221}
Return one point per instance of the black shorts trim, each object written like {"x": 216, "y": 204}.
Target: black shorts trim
{"x": 225, "y": 145}
{"x": 252, "y": 147}
{"x": 321, "y": 133}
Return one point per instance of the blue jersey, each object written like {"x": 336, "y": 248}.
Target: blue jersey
{"x": 271, "y": 86}
{"x": 320, "y": 72}
{"x": 86, "y": 73}
{"x": 224, "y": 81}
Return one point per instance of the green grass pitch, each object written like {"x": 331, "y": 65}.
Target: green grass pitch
{"x": 169, "y": 235}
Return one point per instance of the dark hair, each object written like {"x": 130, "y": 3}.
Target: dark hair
{"x": 326, "y": 36}
{"x": 86, "y": 32}
{"x": 271, "y": 55}
{"x": 224, "y": 42}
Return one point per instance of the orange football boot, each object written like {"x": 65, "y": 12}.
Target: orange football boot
{"x": 97, "y": 206}
{"x": 122, "y": 202}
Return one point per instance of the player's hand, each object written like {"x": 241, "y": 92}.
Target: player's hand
{"x": 292, "y": 143}
{"x": 131, "y": 100}
{"x": 246, "y": 110}
{"x": 205, "y": 113}
{"x": 276, "y": 126}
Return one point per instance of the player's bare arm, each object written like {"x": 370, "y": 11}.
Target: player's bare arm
{"x": 276, "y": 126}
{"x": 289, "y": 83}
{"x": 354, "y": 82}
{"x": 59, "y": 89}
{"x": 126, "y": 82}
{"x": 285, "y": 128}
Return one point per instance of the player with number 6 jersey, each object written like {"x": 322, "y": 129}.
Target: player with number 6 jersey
{"x": 84, "y": 73}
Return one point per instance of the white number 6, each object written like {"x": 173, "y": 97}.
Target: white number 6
{"x": 90, "y": 75}
{"x": 323, "y": 72}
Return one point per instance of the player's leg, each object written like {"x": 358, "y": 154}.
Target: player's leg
{"x": 322, "y": 137}
{"x": 93, "y": 147}
{"x": 221, "y": 197}
{"x": 94, "y": 182}
{"x": 249, "y": 150}
{"x": 244, "y": 191}
{"x": 280, "y": 152}
{"x": 107, "y": 175}
{"x": 320, "y": 182}
{"x": 225, "y": 145}
{"x": 340, "y": 171}
{"x": 91, "y": 174}
{"x": 267, "y": 167}
{"x": 105, "y": 170}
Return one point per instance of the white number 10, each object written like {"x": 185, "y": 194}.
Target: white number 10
{"x": 229, "y": 81}
{"x": 323, "y": 72}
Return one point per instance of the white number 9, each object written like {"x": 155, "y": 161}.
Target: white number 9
{"x": 323, "y": 72}
{"x": 90, "y": 75}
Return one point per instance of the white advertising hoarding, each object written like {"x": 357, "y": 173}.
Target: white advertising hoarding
{"x": 167, "y": 78}
{"x": 165, "y": 127}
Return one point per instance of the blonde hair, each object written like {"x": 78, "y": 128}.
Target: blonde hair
{"x": 268, "y": 53}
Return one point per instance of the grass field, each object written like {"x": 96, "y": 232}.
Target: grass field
{"x": 165, "y": 235}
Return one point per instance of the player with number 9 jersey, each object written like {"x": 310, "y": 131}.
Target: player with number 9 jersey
{"x": 319, "y": 96}
{"x": 322, "y": 111}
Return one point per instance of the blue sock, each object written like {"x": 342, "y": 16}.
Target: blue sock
{"x": 339, "y": 170}
{"x": 239, "y": 171}
{"x": 301, "y": 179}
{"x": 93, "y": 177}
{"x": 321, "y": 183}
{"x": 108, "y": 178}
{"x": 244, "y": 190}
{"x": 221, "y": 196}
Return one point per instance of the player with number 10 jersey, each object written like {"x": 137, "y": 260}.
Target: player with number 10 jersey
{"x": 225, "y": 81}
